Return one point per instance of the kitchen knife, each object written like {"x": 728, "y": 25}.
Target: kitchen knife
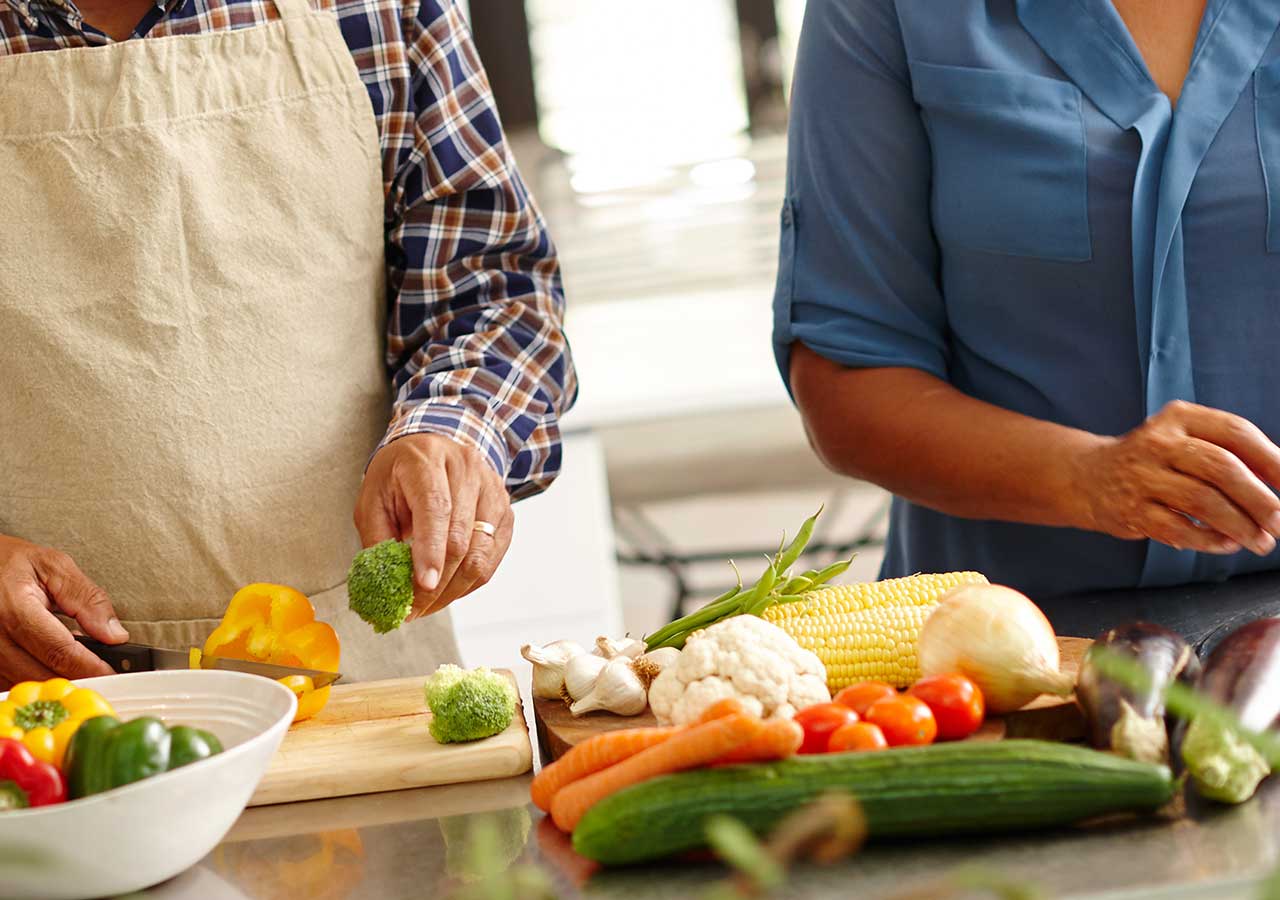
{"x": 141, "y": 658}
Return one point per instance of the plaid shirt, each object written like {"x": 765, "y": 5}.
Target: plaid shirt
{"x": 475, "y": 348}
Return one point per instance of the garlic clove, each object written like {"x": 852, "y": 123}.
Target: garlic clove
{"x": 663, "y": 656}
{"x": 548, "y": 666}
{"x": 610, "y": 648}
{"x": 617, "y": 689}
{"x": 580, "y": 674}
{"x": 650, "y": 665}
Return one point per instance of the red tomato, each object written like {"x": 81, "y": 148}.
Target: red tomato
{"x": 904, "y": 720}
{"x": 861, "y": 695}
{"x": 956, "y": 704}
{"x": 857, "y": 736}
{"x": 818, "y": 721}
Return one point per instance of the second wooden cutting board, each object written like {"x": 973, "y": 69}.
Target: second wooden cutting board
{"x": 1048, "y": 718}
{"x": 372, "y": 736}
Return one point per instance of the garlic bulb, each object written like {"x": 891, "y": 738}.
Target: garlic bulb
{"x": 580, "y": 674}
{"x": 548, "y": 666}
{"x": 618, "y": 689}
{"x": 650, "y": 665}
{"x": 627, "y": 647}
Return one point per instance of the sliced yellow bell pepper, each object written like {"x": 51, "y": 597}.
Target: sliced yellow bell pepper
{"x": 43, "y": 715}
{"x": 275, "y": 624}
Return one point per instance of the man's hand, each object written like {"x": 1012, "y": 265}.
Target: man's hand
{"x": 434, "y": 490}
{"x": 34, "y": 645}
{"x": 1186, "y": 462}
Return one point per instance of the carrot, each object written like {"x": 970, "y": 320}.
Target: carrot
{"x": 778, "y": 739}
{"x": 592, "y": 755}
{"x": 725, "y": 706}
{"x": 698, "y": 745}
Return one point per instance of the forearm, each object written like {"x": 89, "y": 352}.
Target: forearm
{"x": 922, "y": 439}
{"x": 475, "y": 341}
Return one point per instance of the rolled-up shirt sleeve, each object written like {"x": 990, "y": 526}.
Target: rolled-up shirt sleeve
{"x": 475, "y": 340}
{"x": 858, "y": 263}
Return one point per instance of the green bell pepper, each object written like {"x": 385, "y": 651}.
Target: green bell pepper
{"x": 106, "y": 753}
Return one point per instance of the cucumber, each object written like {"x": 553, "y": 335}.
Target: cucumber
{"x": 945, "y": 789}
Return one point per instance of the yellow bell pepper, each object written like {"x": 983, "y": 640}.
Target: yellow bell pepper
{"x": 275, "y": 624}
{"x": 44, "y": 715}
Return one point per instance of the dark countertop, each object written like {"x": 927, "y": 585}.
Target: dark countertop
{"x": 1201, "y": 613}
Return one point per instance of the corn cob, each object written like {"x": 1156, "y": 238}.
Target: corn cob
{"x": 867, "y": 631}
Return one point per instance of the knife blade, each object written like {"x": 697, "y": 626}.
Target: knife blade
{"x": 141, "y": 658}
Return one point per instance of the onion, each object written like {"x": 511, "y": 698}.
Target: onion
{"x": 1000, "y": 640}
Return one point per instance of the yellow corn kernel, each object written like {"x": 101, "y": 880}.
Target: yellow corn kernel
{"x": 867, "y": 632}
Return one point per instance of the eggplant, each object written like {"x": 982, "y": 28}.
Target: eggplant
{"x": 1242, "y": 674}
{"x": 1124, "y": 720}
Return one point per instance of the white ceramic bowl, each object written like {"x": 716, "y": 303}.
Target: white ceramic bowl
{"x": 146, "y": 832}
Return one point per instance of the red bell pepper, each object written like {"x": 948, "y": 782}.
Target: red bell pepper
{"x": 26, "y": 781}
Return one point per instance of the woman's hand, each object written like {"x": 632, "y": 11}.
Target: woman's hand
{"x": 434, "y": 490}
{"x": 1185, "y": 463}
{"x": 34, "y": 645}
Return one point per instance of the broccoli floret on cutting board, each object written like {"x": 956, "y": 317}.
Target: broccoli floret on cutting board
{"x": 467, "y": 705}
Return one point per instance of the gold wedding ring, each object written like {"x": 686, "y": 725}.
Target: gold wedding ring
{"x": 485, "y": 527}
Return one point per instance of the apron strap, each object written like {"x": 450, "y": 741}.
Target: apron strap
{"x": 292, "y": 9}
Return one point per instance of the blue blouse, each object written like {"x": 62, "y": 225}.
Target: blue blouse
{"x": 997, "y": 193}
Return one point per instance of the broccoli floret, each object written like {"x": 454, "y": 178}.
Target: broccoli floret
{"x": 380, "y": 585}
{"x": 467, "y": 705}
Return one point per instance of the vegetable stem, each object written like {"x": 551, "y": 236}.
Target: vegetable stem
{"x": 734, "y": 843}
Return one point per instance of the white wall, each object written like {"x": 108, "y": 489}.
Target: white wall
{"x": 559, "y": 579}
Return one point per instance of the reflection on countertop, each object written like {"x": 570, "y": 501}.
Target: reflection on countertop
{"x": 416, "y": 844}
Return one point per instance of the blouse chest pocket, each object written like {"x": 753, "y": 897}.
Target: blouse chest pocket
{"x": 1009, "y": 165}
{"x": 1266, "y": 108}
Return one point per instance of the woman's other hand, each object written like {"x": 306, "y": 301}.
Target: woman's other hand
{"x": 34, "y": 645}
{"x": 435, "y": 491}
{"x": 1190, "y": 476}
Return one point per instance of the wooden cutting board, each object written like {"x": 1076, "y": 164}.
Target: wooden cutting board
{"x": 372, "y": 736}
{"x": 1047, "y": 718}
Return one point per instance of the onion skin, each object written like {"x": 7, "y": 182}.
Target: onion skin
{"x": 1000, "y": 640}
{"x": 1132, "y": 723}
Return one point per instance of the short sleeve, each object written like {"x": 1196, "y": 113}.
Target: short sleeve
{"x": 858, "y": 263}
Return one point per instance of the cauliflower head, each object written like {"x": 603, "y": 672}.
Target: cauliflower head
{"x": 744, "y": 657}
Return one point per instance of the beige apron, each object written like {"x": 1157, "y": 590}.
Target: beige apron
{"x": 192, "y": 323}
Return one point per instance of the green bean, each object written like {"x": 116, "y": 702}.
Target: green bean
{"x": 836, "y": 568}
{"x": 793, "y": 552}
{"x": 759, "y": 597}
{"x": 727, "y": 595}
{"x": 774, "y": 600}
{"x": 724, "y": 605}
{"x": 796, "y": 585}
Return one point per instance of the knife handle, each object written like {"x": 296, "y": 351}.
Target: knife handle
{"x": 120, "y": 657}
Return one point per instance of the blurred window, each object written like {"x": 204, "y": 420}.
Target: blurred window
{"x": 790, "y": 15}
{"x": 642, "y": 83}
